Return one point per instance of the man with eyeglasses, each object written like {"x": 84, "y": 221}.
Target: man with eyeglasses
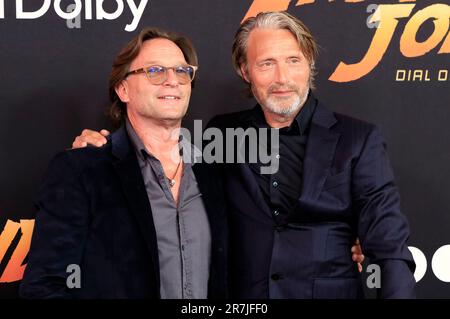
{"x": 130, "y": 215}
{"x": 138, "y": 218}
{"x": 290, "y": 231}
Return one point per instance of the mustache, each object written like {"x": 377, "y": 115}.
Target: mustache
{"x": 284, "y": 87}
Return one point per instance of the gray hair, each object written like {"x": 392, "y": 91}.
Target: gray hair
{"x": 274, "y": 20}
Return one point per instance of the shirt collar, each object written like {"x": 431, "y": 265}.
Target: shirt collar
{"x": 141, "y": 151}
{"x": 188, "y": 151}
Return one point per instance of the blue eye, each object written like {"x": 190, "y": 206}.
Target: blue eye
{"x": 158, "y": 74}
{"x": 155, "y": 70}
{"x": 294, "y": 61}
{"x": 266, "y": 65}
{"x": 184, "y": 70}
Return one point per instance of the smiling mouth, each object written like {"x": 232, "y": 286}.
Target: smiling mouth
{"x": 168, "y": 97}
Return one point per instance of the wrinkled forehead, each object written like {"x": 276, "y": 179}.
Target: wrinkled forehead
{"x": 266, "y": 43}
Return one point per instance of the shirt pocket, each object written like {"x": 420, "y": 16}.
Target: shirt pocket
{"x": 190, "y": 198}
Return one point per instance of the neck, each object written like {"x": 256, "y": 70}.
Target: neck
{"x": 159, "y": 137}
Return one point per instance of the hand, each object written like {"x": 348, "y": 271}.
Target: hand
{"x": 90, "y": 137}
{"x": 357, "y": 254}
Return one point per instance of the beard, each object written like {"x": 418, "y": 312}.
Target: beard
{"x": 284, "y": 106}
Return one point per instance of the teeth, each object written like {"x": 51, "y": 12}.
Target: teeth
{"x": 168, "y": 97}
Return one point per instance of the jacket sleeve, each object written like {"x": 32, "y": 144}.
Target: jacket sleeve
{"x": 60, "y": 232}
{"x": 382, "y": 228}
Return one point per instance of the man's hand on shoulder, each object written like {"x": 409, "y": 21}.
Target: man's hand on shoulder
{"x": 90, "y": 137}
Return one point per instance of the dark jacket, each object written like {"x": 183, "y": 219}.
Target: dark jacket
{"x": 348, "y": 191}
{"x": 93, "y": 211}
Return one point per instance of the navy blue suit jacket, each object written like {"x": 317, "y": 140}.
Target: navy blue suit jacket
{"x": 348, "y": 191}
{"x": 93, "y": 211}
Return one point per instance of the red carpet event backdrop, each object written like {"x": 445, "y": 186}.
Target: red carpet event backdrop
{"x": 386, "y": 62}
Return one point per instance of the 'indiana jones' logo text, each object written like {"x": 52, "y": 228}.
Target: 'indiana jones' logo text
{"x": 15, "y": 240}
{"x": 387, "y": 17}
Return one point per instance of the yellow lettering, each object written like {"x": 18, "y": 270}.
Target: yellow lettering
{"x": 387, "y": 16}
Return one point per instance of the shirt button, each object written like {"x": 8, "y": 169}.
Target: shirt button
{"x": 275, "y": 277}
{"x": 276, "y": 212}
{"x": 275, "y": 184}
{"x": 277, "y": 156}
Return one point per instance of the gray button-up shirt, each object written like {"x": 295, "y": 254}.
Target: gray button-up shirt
{"x": 182, "y": 232}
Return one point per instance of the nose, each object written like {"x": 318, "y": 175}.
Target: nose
{"x": 281, "y": 73}
{"x": 171, "y": 79}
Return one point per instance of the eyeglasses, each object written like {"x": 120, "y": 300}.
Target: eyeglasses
{"x": 157, "y": 74}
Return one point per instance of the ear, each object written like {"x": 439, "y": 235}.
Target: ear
{"x": 244, "y": 73}
{"x": 122, "y": 91}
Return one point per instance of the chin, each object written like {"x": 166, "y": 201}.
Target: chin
{"x": 173, "y": 115}
{"x": 283, "y": 110}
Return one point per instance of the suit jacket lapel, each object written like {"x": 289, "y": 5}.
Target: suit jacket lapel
{"x": 245, "y": 172}
{"x": 129, "y": 172}
{"x": 319, "y": 154}
{"x": 248, "y": 178}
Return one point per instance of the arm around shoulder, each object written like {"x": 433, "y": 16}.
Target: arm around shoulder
{"x": 382, "y": 228}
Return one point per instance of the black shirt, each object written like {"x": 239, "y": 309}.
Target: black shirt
{"x": 282, "y": 189}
